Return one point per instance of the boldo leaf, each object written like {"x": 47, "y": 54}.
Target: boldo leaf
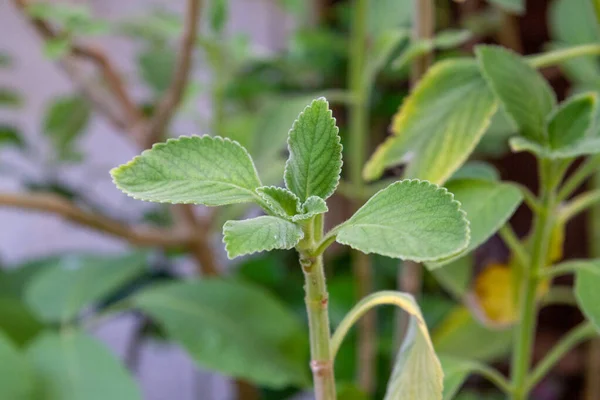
{"x": 477, "y": 170}
{"x": 232, "y": 327}
{"x": 417, "y": 373}
{"x": 587, "y": 282}
{"x": 17, "y": 321}
{"x": 281, "y": 201}
{"x": 16, "y": 377}
{"x": 74, "y": 366}
{"x": 157, "y": 66}
{"x": 315, "y": 162}
{"x": 456, "y": 372}
{"x": 312, "y": 206}
{"x": 438, "y": 125}
{"x": 66, "y": 118}
{"x": 488, "y": 206}
{"x": 260, "y": 234}
{"x": 523, "y": 92}
{"x": 91, "y": 279}
{"x": 191, "y": 170}
{"x": 410, "y": 219}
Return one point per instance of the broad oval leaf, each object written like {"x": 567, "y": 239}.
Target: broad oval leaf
{"x": 191, "y": 170}
{"x": 488, "y": 206}
{"x": 417, "y": 373}
{"x": 523, "y": 92}
{"x": 16, "y": 377}
{"x": 260, "y": 234}
{"x": 587, "y": 282}
{"x": 232, "y": 327}
{"x": 74, "y": 366}
{"x": 281, "y": 201}
{"x": 438, "y": 125}
{"x": 90, "y": 279}
{"x": 410, "y": 219}
{"x": 315, "y": 162}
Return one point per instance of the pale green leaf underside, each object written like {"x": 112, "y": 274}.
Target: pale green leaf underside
{"x": 312, "y": 206}
{"x": 438, "y": 125}
{"x": 315, "y": 162}
{"x": 523, "y": 92}
{"x": 191, "y": 170}
{"x": 231, "y": 327}
{"x": 587, "y": 282}
{"x": 74, "y": 366}
{"x": 488, "y": 206}
{"x": 417, "y": 373}
{"x": 260, "y": 234}
{"x": 281, "y": 201}
{"x": 16, "y": 377}
{"x": 410, "y": 219}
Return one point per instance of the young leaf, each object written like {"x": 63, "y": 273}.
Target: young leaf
{"x": 315, "y": 162}
{"x": 312, "y": 206}
{"x": 587, "y": 282}
{"x": 488, "y": 206}
{"x": 91, "y": 279}
{"x": 410, "y": 219}
{"x": 417, "y": 373}
{"x": 191, "y": 170}
{"x": 260, "y": 234}
{"x": 231, "y": 327}
{"x": 281, "y": 201}
{"x": 523, "y": 91}
{"x": 17, "y": 381}
{"x": 74, "y": 366}
{"x": 438, "y": 125}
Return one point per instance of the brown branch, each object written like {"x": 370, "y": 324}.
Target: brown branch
{"x": 140, "y": 236}
{"x": 169, "y": 102}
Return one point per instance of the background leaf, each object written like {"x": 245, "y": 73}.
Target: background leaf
{"x": 66, "y": 119}
{"x": 439, "y": 124}
{"x": 157, "y": 66}
{"x": 231, "y": 327}
{"x": 16, "y": 377}
{"x": 587, "y": 282}
{"x": 191, "y": 170}
{"x": 315, "y": 162}
{"x": 74, "y": 366}
{"x": 512, "y": 6}
{"x": 410, "y": 219}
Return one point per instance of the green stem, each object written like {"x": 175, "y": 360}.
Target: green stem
{"x": 579, "y": 204}
{"x": 514, "y": 244}
{"x": 318, "y": 322}
{"x": 582, "y": 173}
{"x": 560, "y": 295}
{"x": 492, "y": 375}
{"x": 525, "y": 329}
{"x": 577, "y": 335}
{"x": 557, "y": 56}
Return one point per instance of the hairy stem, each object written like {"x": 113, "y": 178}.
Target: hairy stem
{"x": 525, "y": 329}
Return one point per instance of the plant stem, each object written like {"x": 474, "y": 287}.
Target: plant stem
{"x": 557, "y": 56}
{"x": 579, "y": 204}
{"x": 491, "y": 375}
{"x": 582, "y": 173}
{"x": 577, "y": 335}
{"x": 525, "y": 329}
{"x": 317, "y": 300}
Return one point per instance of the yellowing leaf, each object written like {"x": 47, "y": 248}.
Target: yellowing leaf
{"x": 494, "y": 292}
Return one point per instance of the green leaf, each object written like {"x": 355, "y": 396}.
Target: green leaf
{"x": 382, "y": 50}
{"x": 57, "y": 48}
{"x": 461, "y": 335}
{"x": 512, "y": 6}
{"x": 438, "y": 125}
{"x": 443, "y": 40}
{"x": 385, "y": 15}
{"x": 17, "y": 321}
{"x": 456, "y": 372}
{"x": 312, "y": 206}
{"x": 456, "y": 276}
{"x": 231, "y": 327}
{"x": 410, "y": 219}
{"x": 65, "y": 119}
{"x": 157, "y": 66}
{"x": 191, "y": 170}
{"x": 524, "y": 93}
{"x": 10, "y": 98}
{"x": 90, "y": 278}
{"x": 74, "y": 366}
{"x": 281, "y": 201}
{"x": 417, "y": 373}
{"x": 16, "y": 377}
{"x": 477, "y": 170}
{"x": 260, "y": 234}
{"x": 218, "y": 14}
{"x": 10, "y": 136}
{"x": 488, "y": 205}
{"x": 315, "y": 162}
{"x": 587, "y": 282}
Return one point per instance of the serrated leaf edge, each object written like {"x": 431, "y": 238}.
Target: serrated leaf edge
{"x": 117, "y": 170}
{"x": 304, "y": 216}
{"x": 446, "y": 193}
{"x": 267, "y": 199}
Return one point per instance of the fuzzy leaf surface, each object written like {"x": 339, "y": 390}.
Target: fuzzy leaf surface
{"x": 191, "y": 170}
{"x": 312, "y": 206}
{"x": 231, "y": 327}
{"x": 281, "y": 201}
{"x": 315, "y": 162}
{"x": 260, "y": 234}
{"x": 523, "y": 91}
{"x": 410, "y": 219}
{"x": 438, "y": 125}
